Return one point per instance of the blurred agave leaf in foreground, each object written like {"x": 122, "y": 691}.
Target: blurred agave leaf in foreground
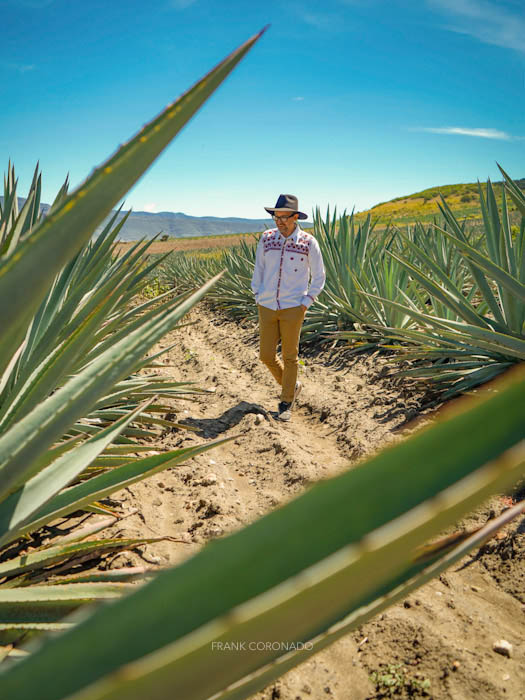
{"x": 51, "y": 244}
{"x": 67, "y": 350}
{"x": 332, "y": 554}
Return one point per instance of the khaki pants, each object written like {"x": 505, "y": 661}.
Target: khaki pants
{"x": 283, "y": 324}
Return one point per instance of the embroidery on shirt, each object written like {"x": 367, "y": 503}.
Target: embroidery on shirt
{"x": 273, "y": 241}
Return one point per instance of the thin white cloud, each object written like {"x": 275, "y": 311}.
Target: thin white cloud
{"x": 465, "y": 131}
{"x": 150, "y": 207}
{"x": 298, "y": 99}
{"x": 20, "y": 67}
{"x": 485, "y": 20}
{"x": 321, "y": 21}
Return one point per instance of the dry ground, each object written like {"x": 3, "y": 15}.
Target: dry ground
{"x": 186, "y": 244}
{"x": 443, "y": 633}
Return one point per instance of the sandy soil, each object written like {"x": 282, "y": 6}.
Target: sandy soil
{"x": 444, "y": 633}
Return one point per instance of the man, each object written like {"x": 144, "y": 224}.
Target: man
{"x": 288, "y": 276}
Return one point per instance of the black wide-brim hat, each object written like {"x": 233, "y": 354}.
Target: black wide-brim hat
{"x": 287, "y": 202}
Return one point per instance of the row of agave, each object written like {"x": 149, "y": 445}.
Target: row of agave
{"x": 451, "y": 300}
{"x": 78, "y": 456}
{"x": 333, "y": 557}
{"x": 185, "y": 271}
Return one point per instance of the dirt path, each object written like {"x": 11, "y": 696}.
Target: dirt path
{"x": 444, "y": 634}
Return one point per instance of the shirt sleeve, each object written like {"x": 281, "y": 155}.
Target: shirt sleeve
{"x": 258, "y": 271}
{"x": 317, "y": 274}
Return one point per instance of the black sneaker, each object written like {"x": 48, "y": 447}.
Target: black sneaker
{"x": 284, "y": 411}
{"x": 285, "y": 407}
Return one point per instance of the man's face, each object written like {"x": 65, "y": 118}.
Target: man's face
{"x": 285, "y": 221}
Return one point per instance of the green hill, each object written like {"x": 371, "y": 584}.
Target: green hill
{"x": 463, "y": 199}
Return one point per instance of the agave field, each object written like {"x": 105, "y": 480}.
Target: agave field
{"x": 450, "y": 300}
{"x": 83, "y": 393}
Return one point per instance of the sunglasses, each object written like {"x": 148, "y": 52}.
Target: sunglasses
{"x": 282, "y": 218}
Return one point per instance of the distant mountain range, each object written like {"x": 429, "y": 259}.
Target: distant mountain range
{"x": 421, "y": 206}
{"x": 143, "y": 224}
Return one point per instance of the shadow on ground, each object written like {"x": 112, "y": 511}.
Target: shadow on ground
{"x": 212, "y": 427}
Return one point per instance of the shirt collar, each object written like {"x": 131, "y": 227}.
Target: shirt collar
{"x": 293, "y": 236}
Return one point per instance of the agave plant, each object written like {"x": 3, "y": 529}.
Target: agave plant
{"x": 233, "y": 292}
{"x": 186, "y": 271}
{"x": 384, "y": 286}
{"x": 85, "y": 310}
{"x": 475, "y": 328}
{"x": 71, "y": 392}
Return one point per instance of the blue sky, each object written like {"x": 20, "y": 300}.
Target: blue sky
{"x": 342, "y": 102}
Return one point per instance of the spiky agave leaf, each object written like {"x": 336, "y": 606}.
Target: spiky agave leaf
{"x": 51, "y": 245}
{"x": 59, "y": 356}
{"x": 474, "y": 325}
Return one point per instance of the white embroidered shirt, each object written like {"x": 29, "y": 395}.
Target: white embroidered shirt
{"x": 289, "y": 271}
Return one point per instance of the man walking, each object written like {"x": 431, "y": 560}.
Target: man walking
{"x": 288, "y": 276}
